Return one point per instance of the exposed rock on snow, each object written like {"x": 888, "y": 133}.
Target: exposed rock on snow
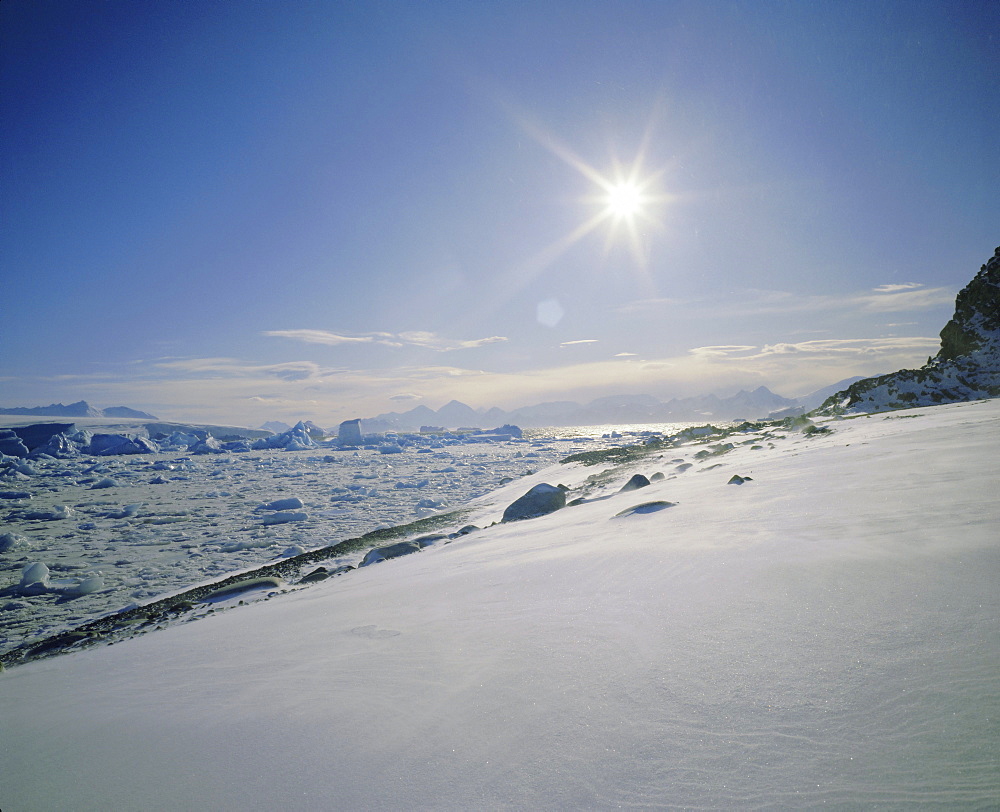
{"x": 541, "y": 499}
{"x": 391, "y": 551}
{"x": 736, "y": 479}
{"x": 967, "y": 366}
{"x": 636, "y": 482}
{"x": 241, "y": 587}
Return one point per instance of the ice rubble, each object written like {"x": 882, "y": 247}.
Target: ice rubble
{"x": 157, "y": 523}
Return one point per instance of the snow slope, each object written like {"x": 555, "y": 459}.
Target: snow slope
{"x": 824, "y": 634}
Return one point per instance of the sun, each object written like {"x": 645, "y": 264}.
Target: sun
{"x": 624, "y": 200}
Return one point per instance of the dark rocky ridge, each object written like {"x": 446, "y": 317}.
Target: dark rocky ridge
{"x": 967, "y": 366}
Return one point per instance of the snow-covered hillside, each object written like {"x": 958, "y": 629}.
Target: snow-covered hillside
{"x": 966, "y": 367}
{"x": 825, "y": 633}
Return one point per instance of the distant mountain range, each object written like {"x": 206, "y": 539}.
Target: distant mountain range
{"x": 79, "y": 409}
{"x": 614, "y": 409}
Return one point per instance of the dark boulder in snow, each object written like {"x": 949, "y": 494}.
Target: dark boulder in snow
{"x": 541, "y": 499}
{"x": 240, "y": 587}
{"x": 636, "y": 482}
{"x": 736, "y": 479}
{"x": 391, "y": 551}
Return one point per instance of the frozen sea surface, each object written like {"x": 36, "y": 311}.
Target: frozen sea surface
{"x": 151, "y": 525}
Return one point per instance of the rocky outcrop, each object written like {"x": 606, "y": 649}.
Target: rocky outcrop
{"x": 967, "y": 367}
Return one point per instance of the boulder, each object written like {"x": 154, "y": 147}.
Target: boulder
{"x": 636, "y": 482}
{"x": 541, "y": 499}
{"x": 239, "y": 587}
{"x": 391, "y": 551}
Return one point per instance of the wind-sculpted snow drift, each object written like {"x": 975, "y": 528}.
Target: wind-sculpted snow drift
{"x": 966, "y": 367}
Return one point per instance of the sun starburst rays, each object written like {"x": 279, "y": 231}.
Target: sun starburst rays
{"x": 627, "y": 203}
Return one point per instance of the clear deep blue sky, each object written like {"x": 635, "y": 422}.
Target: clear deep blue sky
{"x": 242, "y": 211}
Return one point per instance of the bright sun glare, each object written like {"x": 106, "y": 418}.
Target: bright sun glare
{"x": 624, "y": 200}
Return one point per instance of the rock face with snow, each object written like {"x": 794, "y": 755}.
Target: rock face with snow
{"x": 967, "y": 366}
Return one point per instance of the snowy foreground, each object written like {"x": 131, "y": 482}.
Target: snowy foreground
{"x": 827, "y": 633}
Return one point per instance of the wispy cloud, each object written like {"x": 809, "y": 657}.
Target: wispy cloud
{"x": 413, "y": 338}
{"x": 321, "y": 337}
{"x": 578, "y": 341}
{"x": 435, "y": 342}
{"x": 898, "y": 298}
{"x": 897, "y": 288}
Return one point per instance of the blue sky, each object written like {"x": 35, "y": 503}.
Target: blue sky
{"x": 248, "y": 211}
